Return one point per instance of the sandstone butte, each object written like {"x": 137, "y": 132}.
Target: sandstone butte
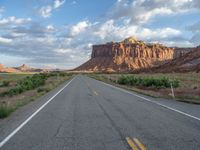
{"x": 130, "y": 55}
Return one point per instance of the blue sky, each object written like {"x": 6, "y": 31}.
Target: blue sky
{"x": 60, "y": 33}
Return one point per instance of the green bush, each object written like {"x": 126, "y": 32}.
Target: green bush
{"x": 175, "y": 83}
{"x": 39, "y": 90}
{"x": 5, "y": 111}
{"x": 27, "y": 83}
{"x": 123, "y": 80}
{"x": 162, "y": 82}
{"x": 63, "y": 74}
{"x": 5, "y": 83}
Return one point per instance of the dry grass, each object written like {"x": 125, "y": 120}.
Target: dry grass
{"x": 188, "y": 91}
{"x": 9, "y": 104}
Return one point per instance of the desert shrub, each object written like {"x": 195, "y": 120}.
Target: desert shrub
{"x": 5, "y": 111}
{"x": 123, "y": 80}
{"x": 148, "y": 82}
{"x": 39, "y": 90}
{"x": 63, "y": 74}
{"x": 175, "y": 83}
{"x": 27, "y": 83}
{"x": 5, "y": 83}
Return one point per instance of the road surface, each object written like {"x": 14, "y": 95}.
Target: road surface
{"x": 86, "y": 114}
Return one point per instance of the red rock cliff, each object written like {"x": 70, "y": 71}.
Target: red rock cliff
{"x": 187, "y": 62}
{"x": 127, "y": 55}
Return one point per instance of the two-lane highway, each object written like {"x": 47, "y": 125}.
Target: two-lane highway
{"x": 89, "y": 115}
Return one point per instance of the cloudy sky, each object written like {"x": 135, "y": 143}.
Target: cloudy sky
{"x": 60, "y": 33}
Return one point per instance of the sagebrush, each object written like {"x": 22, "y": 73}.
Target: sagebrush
{"x": 162, "y": 82}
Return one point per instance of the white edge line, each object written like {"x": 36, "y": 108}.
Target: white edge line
{"x": 146, "y": 99}
{"x": 3, "y": 142}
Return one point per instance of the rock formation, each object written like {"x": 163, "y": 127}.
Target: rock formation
{"x": 188, "y": 62}
{"x": 128, "y": 55}
{"x": 7, "y": 69}
{"x": 26, "y": 68}
{"x": 22, "y": 68}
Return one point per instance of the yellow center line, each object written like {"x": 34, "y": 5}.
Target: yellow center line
{"x": 140, "y": 145}
{"x": 131, "y": 143}
{"x": 95, "y": 93}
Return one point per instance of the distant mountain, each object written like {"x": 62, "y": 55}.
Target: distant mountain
{"x": 26, "y": 68}
{"x": 130, "y": 55}
{"x": 22, "y": 68}
{"x": 7, "y": 69}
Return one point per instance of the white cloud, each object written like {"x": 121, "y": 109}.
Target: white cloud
{"x": 63, "y": 50}
{"x": 89, "y": 45}
{"x": 46, "y": 11}
{"x": 109, "y": 30}
{"x": 105, "y": 29}
{"x": 144, "y": 17}
{"x": 58, "y": 3}
{"x": 14, "y": 21}
{"x": 79, "y": 27}
{"x": 50, "y": 28}
{"x": 162, "y": 33}
{"x": 42, "y": 44}
{"x": 185, "y": 43}
{"x": 5, "y": 40}
{"x": 141, "y": 11}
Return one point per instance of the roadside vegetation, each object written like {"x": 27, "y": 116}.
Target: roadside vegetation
{"x": 186, "y": 86}
{"x": 28, "y": 83}
{"x": 157, "y": 82}
{"x": 19, "y": 89}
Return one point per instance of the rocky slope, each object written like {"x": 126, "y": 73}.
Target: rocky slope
{"x": 187, "y": 62}
{"x": 129, "y": 55}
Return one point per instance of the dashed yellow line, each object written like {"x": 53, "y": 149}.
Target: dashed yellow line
{"x": 135, "y": 144}
{"x": 95, "y": 93}
{"x": 140, "y": 145}
{"x": 131, "y": 143}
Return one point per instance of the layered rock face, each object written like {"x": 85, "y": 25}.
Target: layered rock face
{"x": 130, "y": 54}
{"x": 182, "y": 51}
{"x": 187, "y": 62}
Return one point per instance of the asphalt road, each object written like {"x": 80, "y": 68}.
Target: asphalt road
{"x": 86, "y": 114}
